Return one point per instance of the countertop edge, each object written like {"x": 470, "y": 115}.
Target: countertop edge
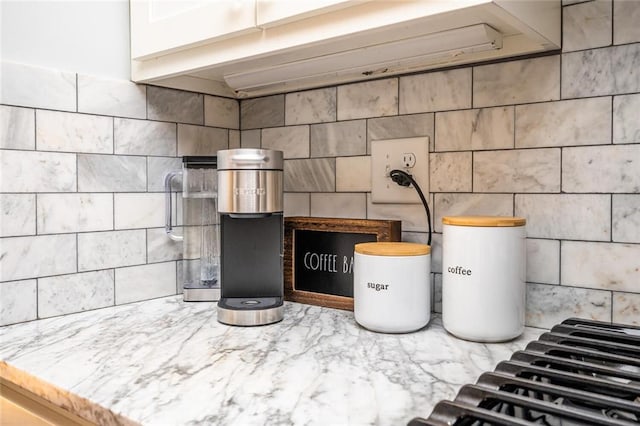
{"x": 64, "y": 399}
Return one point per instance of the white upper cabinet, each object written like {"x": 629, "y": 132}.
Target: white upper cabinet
{"x": 251, "y": 48}
{"x": 159, "y": 27}
{"x": 277, "y": 12}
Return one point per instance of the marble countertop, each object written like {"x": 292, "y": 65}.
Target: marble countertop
{"x": 166, "y": 362}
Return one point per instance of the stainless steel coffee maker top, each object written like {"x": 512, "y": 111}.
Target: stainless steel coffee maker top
{"x": 250, "y": 159}
{"x": 250, "y": 181}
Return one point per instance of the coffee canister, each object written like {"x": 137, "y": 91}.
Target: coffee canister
{"x": 483, "y": 277}
{"x": 391, "y": 286}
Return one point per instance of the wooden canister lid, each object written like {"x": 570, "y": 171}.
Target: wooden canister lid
{"x": 392, "y": 249}
{"x": 484, "y": 221}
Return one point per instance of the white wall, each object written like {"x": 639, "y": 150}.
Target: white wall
{"x": 90, "y": 37}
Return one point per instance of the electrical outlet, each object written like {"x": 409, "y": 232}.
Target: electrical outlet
{"x": 410, "y": 155}
{"x": 409, "y": 160}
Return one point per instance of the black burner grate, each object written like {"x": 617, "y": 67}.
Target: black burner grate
{"x": 580, "y": 373}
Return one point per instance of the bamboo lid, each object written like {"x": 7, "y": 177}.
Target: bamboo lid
{"x": 392, "y": 249}
{"x": 484, "y": 221}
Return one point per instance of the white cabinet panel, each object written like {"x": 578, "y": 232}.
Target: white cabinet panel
{"x": 299, "y": 44}
{"x": 277, "y": 12}
{"x": 162, "y": 26}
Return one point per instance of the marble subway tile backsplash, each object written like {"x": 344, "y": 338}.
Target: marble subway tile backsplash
{"x": 31, "y": 257}
{"x": 626, "y": 15}
{"x": 142, "y": 137}
{"x": 17, "y": 215}
{"x": 221, "y": 112}
{"x": 174, "y": 105}
{"x": 517, "y": 82}
{"x": 81, "y": 187}
{"x": 626, "y": 119}
{"x": 450, "y": 172}
{"x": 437, "y": 91}
{"x": 554, "y": 216}
{"x": 603, "y": 169}
{"x": 603, "y": 266}
{"x": 466, "y": 204}
{"x": 111, "y": 97}
{"x": 369, "y": 99}
{"x": 353, "y": 174}
{"x": 312, "y": 175}
{"x": 564, "y": 123}
{"x": 33, "y": 171}
{"x": 69, "y": 132}
{"x": 401, "y": 126}
{"x": 412, "y": 215}
{"x": 35, "y": 87}
{"x": 626, "y": 218}
{"x": 65, "y": 294}
{"x": 312, "y": 106}
{"x": 262, "y": 112}
{"x": 339, "y": 139}
{"x": 475, "y": 129}
{"x": 548, "y": 305}
{"x": 138, "y": 210}
{"x": 17, "y": 128}
{"x": 103, "y": 250}
{"x": 553, "y": 138}
{"x": 64, "y": 213}
{"x": 345, "y": 205}
{"x": 543, "y": 261}
{"x": 587, "y": 25}
{"x": 111, "y": 173}
{"x": 160, "y": 248}
{"x": 157, "y": 168}
{"x": 201, "y": 140}
{"x": 533, "y": 170}
{"x": 297, "y": 204}
{"x": 626, "y": 308}
{"x": 293, "y": 141}
{"x": 18, "y": 301}
{"x": 600, "y": 72}
{"x": 128, "y": 288}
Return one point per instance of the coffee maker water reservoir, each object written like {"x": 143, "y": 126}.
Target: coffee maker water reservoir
{"x": 200, "y": 227}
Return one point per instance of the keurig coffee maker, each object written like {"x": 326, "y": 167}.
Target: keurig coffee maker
{"x": 250, "y": 202}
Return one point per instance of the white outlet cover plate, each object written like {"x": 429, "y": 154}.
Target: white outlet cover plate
{"x": 386, "y": 155}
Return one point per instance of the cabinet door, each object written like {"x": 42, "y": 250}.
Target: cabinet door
{"x": 277, "y": 12}
{"x": 163, "y": 26}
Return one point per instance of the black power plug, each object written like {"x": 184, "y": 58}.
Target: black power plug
{"x": 403, "y": 178}
{"x": 400, "y": 177}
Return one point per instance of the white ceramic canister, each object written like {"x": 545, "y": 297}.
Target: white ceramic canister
{"x": 391, "y": 286}
{"x": 483, "y": 277}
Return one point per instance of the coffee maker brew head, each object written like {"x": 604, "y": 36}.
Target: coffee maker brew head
{"x": 250, "y": 201}
{"x": 250, "y": 181}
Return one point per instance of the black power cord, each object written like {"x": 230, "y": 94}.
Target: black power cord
{"x": 403, "y": 178}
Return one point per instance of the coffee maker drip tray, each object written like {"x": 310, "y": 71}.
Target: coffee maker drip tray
{"x": 250, "y": 311}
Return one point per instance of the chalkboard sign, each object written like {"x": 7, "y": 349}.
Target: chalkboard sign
{"x": 318, "y": 263}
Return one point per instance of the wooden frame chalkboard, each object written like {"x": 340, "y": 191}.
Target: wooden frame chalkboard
{"x": 322, "y": 276}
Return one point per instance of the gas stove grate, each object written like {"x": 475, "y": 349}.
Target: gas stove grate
{"x": 582, "y": 372}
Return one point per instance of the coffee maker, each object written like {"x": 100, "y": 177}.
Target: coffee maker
{"x": 250, "y": 202}
{"x": 200, "y": 264}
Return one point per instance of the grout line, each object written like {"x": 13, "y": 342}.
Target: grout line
{"x": 77, "y": 253}
{"x": 611, "y": 218}
{"x": 37, "y": 298}
{"x": 559, "y": 262}
{"x": 613, "y": 33}
{"x": 35, "y": 201}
